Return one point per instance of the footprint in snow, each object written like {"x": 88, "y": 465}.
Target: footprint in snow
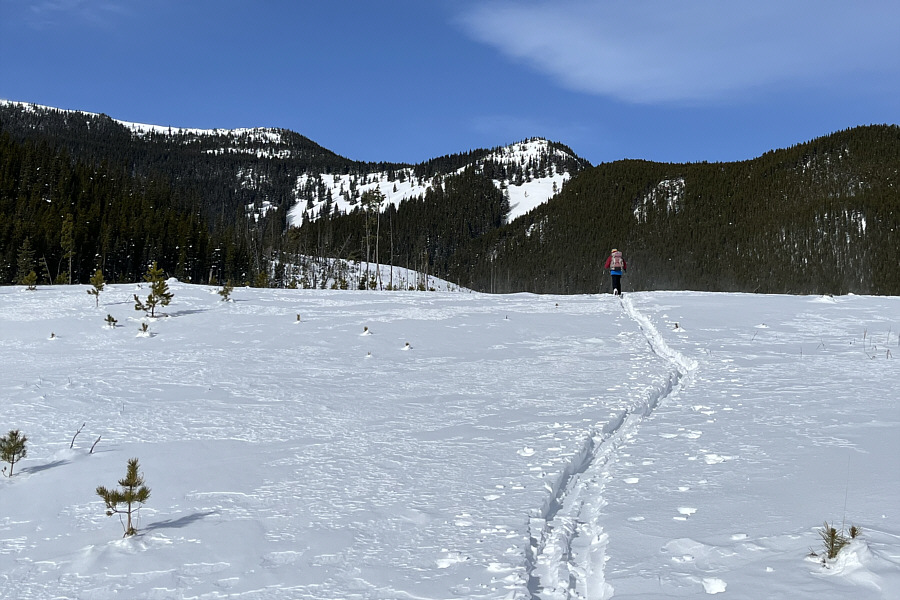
{"x": 713, "y": 585}
{"x": 526, "y": 451}
{"x": 714, "y": 459}
{"x": 686, "y": 511}
{"x": 449, "y": 559}
{"x": 683, "y": 559}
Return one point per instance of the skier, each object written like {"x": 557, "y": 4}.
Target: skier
{"x": 616, "y": 265}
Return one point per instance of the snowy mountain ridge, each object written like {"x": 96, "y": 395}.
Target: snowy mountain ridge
{"x": 536, "y": 159}
{"x": 260, "y": 134}
{"x": 342, "y": 192}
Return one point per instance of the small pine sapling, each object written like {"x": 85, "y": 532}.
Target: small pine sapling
{"x": 833, "y": 539}
{"x": 30, "y": 281}
{"x": 98, "y": 284}
{"x": 159, "y": 291}
{"x": 127, "y": 500}
{"x": 111, "y": 321}
{"x": 226, "y": 290}
{"x": 12, "y": 449}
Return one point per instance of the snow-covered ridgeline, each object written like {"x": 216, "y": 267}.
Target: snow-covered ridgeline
{"x": 314, "y": 192}
{"x": 341, "y": 192}
{"x": 259, "y": 134}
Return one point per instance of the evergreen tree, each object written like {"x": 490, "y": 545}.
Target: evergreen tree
{"x": 226, "y": 290}
{"x": 371, "y": 204}
{"x": 159, "y": 291}
{"x": 30, "y": 281}
{"x": 12, "y": 449}
{"x": 67, "y": 241}
{"x": 98, "y": 284}
{"x": 25, "y": 262}
{"x": 132, "y": 495}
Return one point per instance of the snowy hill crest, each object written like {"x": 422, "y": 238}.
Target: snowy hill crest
{"x": 528, "y": 172}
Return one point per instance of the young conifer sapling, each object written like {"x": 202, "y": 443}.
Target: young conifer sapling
{"x": 12, "y": 448}
{"x": 129, "y": 498}
{"x": 226, "y": 290}
{"x": 159, "y": 291}
{"x": 98, "y": 284}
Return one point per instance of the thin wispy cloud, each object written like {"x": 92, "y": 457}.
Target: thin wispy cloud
{"x": 663, "y": 51}
{"x": 92, "y": 12}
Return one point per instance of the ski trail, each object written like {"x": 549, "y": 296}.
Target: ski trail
{"x": 567, "y": 553}
{"x": 684, "y": 365}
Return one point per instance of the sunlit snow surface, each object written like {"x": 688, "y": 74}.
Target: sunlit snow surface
{"x": 669, "y": 445}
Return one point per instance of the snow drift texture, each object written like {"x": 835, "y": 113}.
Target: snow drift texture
{"x": 324, "y": 445}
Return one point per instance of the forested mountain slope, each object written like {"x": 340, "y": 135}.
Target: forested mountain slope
{"x": 221, "y": 204}
{"x": 820, "y": 217}
{"x": 259, "y": 205}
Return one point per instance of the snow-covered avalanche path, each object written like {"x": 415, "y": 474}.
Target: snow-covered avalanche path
{"x": 567, "y": 555}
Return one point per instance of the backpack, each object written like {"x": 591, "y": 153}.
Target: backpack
{"x": 616, "y": 262}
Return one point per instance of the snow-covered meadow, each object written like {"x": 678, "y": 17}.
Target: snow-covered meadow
{"x": 317, "y": 444}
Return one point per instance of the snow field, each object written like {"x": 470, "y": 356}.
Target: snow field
{"x": 766, "y": 441}
{"x": 521, "y": 446}
{"x": 279, "y": 454}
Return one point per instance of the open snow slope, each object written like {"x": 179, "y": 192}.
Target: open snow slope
{"x": 666, "y": 445}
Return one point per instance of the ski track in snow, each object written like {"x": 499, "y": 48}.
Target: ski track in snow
{"x": 567, "y": 552}
{"x": 519, "y": 447}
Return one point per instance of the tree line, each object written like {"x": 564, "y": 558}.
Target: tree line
{"x": 80, "y": 194}
{"x": 820, "y": 217}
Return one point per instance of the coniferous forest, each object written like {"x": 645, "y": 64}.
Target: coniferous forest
{"x": 81, "y": 192}
{"x": 819, "y": 218}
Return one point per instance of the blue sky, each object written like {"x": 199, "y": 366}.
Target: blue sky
{"x": 409, "y": 80}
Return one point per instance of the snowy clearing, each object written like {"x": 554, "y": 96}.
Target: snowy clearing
{"x": 317, "y": 444}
